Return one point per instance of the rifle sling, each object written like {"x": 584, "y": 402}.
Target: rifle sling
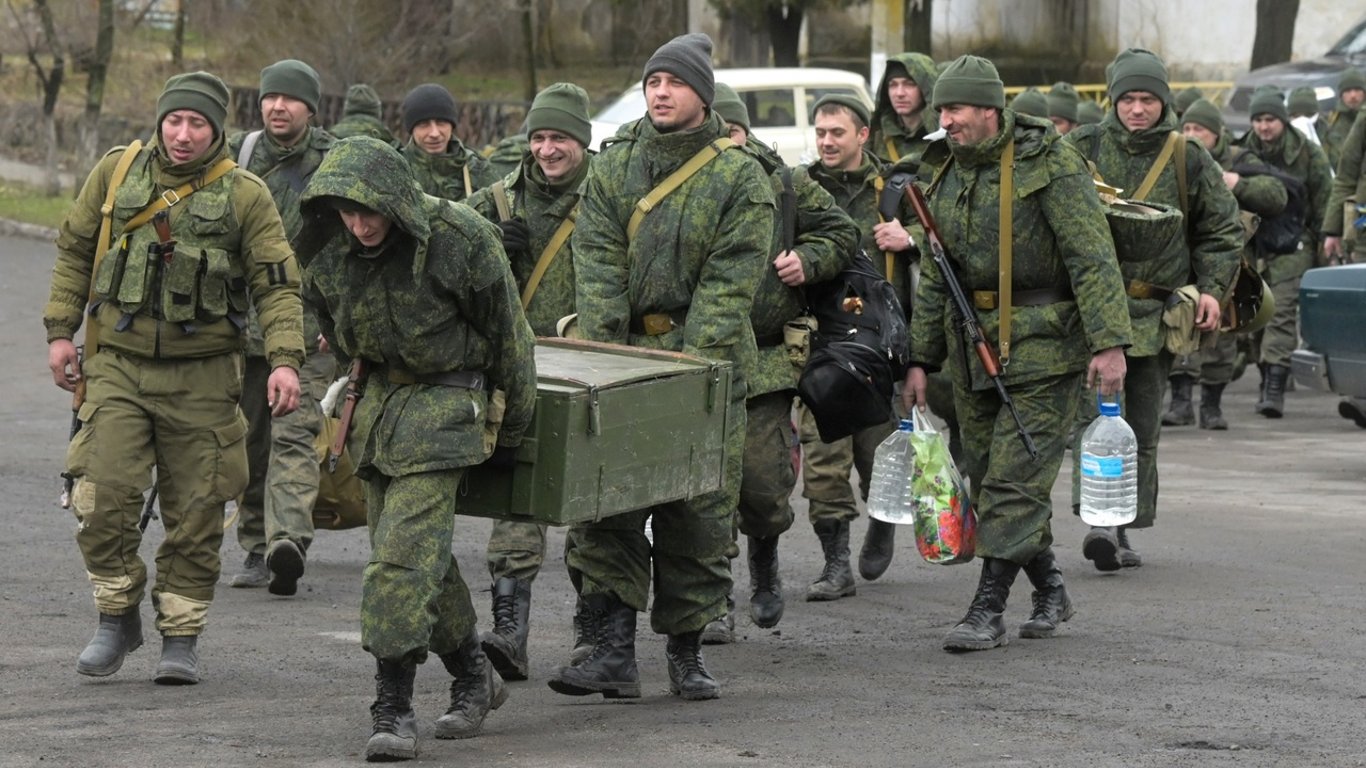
{"x": 889, "y": 258}
{"x": 552, "y": 248}
{"x": 1006, "y": 239}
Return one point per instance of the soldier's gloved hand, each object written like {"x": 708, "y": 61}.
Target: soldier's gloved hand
{"x": 504, "y": 458}
{"x": 516, "y": 235}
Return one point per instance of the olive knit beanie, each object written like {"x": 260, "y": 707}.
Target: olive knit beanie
{"x": 728, "y": 105}
{"x": 361, "y": 99}
{"x": 1063, "y": 100}
{"x": 687, "y": 57}
{"x": 1202, "y": 112}
{"x": 561, "y": 107}
{"x": 1031, "y": 101}
{"x": 1138, "y": 69}
{"x": 1303, "y": 101}
{"x": 428, "y": 101}
{"x": 292, "y": 77}
{"x": 200, "y": 91}
{"x": 1350, "y": 79}
{"x": 970, "y": 80}
{"x": 847, "y": 100}
{"x": 1186, "y": 97}
{"x": 1090, "y": 112}
{"x": 1268, "y": 100}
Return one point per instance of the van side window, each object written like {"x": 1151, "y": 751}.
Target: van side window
{"x": 771, "y": 108}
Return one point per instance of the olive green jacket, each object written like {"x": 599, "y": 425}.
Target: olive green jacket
{"x": 1333, "y": 129}
{"x": 443, "y": 175}
{"x": 888, "y": 137}
{"x": 1296, "y": 156}
{"x": 361, "y": 125}
{"x": 435, "y": 297}
{"x": 1350, "y": 181}
{"x": 1263, "y": 195}
{"x": 231, "y": 248}
{"x": 1060, "y": 241}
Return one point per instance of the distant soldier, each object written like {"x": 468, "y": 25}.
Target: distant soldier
{"x": 362, "y": 115}
{"x": 1185, "y": 98}
{"x": 442, "y": 164}
{"x": 902, "y": 116}
{"x": 1334, "y": 126}
{"x": 504, "y": 157}
{"x": 1063, "y": 101}
{"x": 1031, "y": 101}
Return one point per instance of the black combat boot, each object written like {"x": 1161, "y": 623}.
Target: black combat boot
{"x": 115, "y": 637}
{"x": 476, "y": 689}
{"x": 1128, "y": 558}
{"x": 506, "y": 644}
{"x": 765, "y": 584}
{"x": 1179, "y": 412}
{"x": 688, "y": 675}
{"x": 983, "y": 627}
{"x": 1272, "y": 404}
{"x": 179, "y": 664}
{"x": 1101, "y": 546}
{"x": 584, "y": 634}
{"x": 1211, "y": 415}
{"x": 721, "y": 631}
{"x": 836, "y": 579}
{"x": 285, "y": 561}
{"x": 1052, "y": 606}
{"x": 879, "y": 542}
{"x": 610, "y": 668}
{"x": 393, "y": 734}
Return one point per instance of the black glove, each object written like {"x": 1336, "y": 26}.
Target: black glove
{"x": 504, "y": 458}
{"x": 516, "y": 235}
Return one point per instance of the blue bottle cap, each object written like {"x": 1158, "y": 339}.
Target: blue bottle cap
{"x": 907, "y": 425}
{"x": 1109, "y": 409}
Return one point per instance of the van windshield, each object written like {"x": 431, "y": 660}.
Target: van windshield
{"x": 631, "y": 106}
{"x": 1353, "y": 42}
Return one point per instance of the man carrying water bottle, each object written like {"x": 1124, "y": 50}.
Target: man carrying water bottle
{"x": 1069, "y": 320}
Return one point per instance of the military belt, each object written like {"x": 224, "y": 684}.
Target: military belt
{"x": 460, "y": 379}
{"x": 1141, "y": 290}
{"x": 657, "y": 324}
{"x": 769, "y": 340}
{"x": 989, "y": 300}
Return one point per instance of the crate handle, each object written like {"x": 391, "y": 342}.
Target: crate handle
{"x": 594, "y": 412}
{"x": 715, "y": 385}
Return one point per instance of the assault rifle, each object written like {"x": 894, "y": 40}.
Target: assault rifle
{"x": 354, "y": 381}
{"x": 965, "y": 316}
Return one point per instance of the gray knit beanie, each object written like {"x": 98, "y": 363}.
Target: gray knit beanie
{"x": 429, "y": 101}
{"x": 970, "y": 80}
{"x": 687, "y": 57}
{"x": 294, "y": 78}
{"x": 1138, "y": 69}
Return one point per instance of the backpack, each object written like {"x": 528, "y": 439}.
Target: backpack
{"x": 859, "y": 350}
{"x": 1281, "y": 233}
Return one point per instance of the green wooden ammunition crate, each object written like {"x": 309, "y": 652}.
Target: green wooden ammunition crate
{"x": 616, "y": 429}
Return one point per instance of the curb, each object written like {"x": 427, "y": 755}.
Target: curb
{"x": 12, "y": 228}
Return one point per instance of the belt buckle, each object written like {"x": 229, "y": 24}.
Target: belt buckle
{"x": 657, "y": 325}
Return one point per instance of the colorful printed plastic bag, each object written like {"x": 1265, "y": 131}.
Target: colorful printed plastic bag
{"x": 945, "y": 527}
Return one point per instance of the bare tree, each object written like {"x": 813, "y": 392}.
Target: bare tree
{"x": 178, "y": 36}
{"x": 917, "y": 29}
{"x": 50, "y": 79}
{"x": 782, "y": 19}
{"x": 94, "y": 88}
{"x": 1275, "y": 36}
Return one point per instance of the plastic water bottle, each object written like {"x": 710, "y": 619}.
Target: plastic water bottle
{"x": 889, "y": 492}
{"x": 1109, "y": 470}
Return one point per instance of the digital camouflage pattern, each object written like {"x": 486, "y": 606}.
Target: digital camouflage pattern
{"x": 1350, "y": 181}
{"x": 362, "y": 115}
{"x": 443, "y": 175}
{"x": 1060, "y": 240}
{"x": 505, "y": 156}
{"x": 442, "y": 270}
{"x": 699, "y": 256}
{"x": 888, "y": 137}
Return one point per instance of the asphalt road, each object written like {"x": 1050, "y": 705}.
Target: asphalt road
{"x": 1239, "y": 643}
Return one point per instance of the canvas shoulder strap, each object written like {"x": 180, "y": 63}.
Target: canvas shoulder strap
{"x": 1181, "y": 191}
{"x": 1174, "y": 140}
{"x": 173, "y": 196}
{"x": 500, "y": 200}
{"x": 248, "y": 147}
{"x": 1007, "y": 239}
{"x": 469, "y": 185}
{"x": 675, "y": 180}
{"x": 892, "y": 154}
{"x": 552, "y": 248}
{"x": 102, "y": 245}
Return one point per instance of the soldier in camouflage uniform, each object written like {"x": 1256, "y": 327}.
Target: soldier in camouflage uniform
{"x": 1350, "y": 181}
{"x": 362, "y": 115}
{"x": 385, "y": 250}
{"x": 542, "y": 196}
{"x": 163, "y": 388}
{"x": 1069, "y": 325}
{"x": 1063, "y": 102}
{"x": 684, "y": 281}
{"x": 1257, "y": 192}
{"x": 1124, "y": 147}
{"x": 1334, "y": 127}
{"x": 275, "y": 522}
{"x": 824, "y": 239}
{"x": 442, "y": 164}
{"x": 902, "y": 117}
{"x": 504, "y": 157}
{"x": 1276, "y": 143}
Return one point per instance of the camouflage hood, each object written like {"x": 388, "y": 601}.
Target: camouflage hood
{"x": 921, "y": 69}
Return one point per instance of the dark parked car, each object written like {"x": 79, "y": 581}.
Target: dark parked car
{"x": 1321, "y": 74}
{"x": 1333, "y": 327}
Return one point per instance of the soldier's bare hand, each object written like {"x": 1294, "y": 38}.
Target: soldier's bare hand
{"x": 1332, "y": 249}
{"x": 1231, "y": 179}
{"x": 323, "y": 346}
{"x": 1107, "y": 370}
{"x": 282, "y": 391}
{"x": 790, "y": 271}
{"x": 913, "y": 391}
{"x": 891, "y": 236}
{"x": 1207, "y": 313}
{"x": 64, "y": 363}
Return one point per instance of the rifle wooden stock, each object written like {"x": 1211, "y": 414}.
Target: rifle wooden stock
{"x": 354, "y": 380}
{"x": 968, "y": 322}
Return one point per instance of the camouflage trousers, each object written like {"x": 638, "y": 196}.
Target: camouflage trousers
{"x": 1010, "y": 491}
{"x": 1210, "y": 366}
{"x": 283, "y": 482}
{"x": 516, "y": 550}
{"x": 180, "y": 416}
{"x": 1281, "y": 336}
{"x": 413, "y": 599}
{"x": 1141, "y": 402}
{"x": 767, "y": 477}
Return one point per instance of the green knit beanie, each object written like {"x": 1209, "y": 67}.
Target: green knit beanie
{"x": 1268, "y": 100}
{"x": 1202, "y": 112}
{"x": 1186, "y": 97}
{"x": 1138, "y": 69}
{"x": 1350, "y": 79}
{"x": 1031, "y": 101}
{"x": 294, "y": 78}
{"x": 361, "y": 99}
{"x": 1303, "y": 101}
{"x": 728, "y": 105}
{"x": 970, "y": 80}
{"x": 847, "y": 100}
{"x": 1063, "y": 100}
{"x": 561, "y": 107}
{"x": 200, "y": 91}
{"x": 1090, "y": 112}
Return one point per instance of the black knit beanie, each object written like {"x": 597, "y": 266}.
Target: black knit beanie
{"x": 687, "y": 57}
{"x": 1138, "y": 69}
{"x": 1268, "y": 100}
{"x": 200, "y": 91}
{"x": 561, "y": 107}
{"x": 970, "y": 80}
{"x": 428, "y": 101}
{"x": 294, "y": 78}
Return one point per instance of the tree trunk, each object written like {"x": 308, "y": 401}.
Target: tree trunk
{"x": 177, "y": 38}
{"x": 52, "y": 85}
{"x": 917, "y": 29}
{"x": 785, "y": 34}
{"x": 529, "y": 37}
{"x": 1275, "y": 36}
{"x": 94, "y": 89}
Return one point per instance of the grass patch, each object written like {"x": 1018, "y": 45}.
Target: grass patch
{"x": 21, "y": 202}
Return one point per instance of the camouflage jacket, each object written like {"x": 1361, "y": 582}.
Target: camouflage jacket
{"x": 1350, "y": 181}
{"x": 1333, "y": 129}
{"x": 1263, "y": 195}
{"x": 824, "y": 238}
{"x": 1214, "y": 234}
{"x": 435, "y": 297}
{"x": 229, "y": 237}
{"x": 543, "y": 207}
{"x": 286, "y": 171}
{"x": 1060, "y": 241}
{"x": 443, "y": 175}
{"x": 1296, "y": 156}
{"x": 504, "y": 156}
{"x": 361, "y": 125}
{"x": 698, "y": 256}
{"x": 888, "y": 138}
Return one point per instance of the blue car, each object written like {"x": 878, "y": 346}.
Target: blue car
{"x": 1333, "y": 329}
